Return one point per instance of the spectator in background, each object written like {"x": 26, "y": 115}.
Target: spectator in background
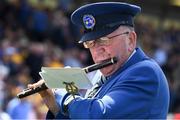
{"x": 34, "y": 59}
{"x": 71, "y": 58}
{"x": 4, "y": 115}
{"x": 39, "y": 24}
{"x": 20, "y": 108}
{"x": 4, "y": 71}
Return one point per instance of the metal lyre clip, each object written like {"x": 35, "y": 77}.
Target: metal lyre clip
{"x": 71, "y": 88}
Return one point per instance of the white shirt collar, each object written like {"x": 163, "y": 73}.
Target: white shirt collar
{"x": 131, "y": 55}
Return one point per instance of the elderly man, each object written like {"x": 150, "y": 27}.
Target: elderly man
{"x": 134, "y": 87}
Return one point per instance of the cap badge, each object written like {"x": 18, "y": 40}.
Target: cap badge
{"x": 89, "y": 21}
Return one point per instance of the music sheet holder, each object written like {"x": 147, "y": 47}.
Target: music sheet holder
{"x": 55, "y": 77}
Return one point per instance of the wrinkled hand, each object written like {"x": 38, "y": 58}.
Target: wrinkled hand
{"x": 35, "y": 85}
{"x": 39, "y": 84}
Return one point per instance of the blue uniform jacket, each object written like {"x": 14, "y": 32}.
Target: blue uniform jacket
{"x": 139, "y": 89}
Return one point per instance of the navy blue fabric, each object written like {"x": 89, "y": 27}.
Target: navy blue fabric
{"x": 108, "y": 17}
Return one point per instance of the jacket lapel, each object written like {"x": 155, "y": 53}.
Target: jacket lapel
{"x": 137, "y": 57}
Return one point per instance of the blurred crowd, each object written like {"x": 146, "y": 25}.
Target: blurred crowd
{"x": 36, "y": 33}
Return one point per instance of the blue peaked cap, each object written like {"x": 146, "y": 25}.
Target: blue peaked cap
{"x": 102, "y": 18}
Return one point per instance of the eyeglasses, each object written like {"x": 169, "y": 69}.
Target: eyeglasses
{"x": 101, "y": 41}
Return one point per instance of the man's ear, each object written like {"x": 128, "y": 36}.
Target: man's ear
{"x": 132, "y": 41}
